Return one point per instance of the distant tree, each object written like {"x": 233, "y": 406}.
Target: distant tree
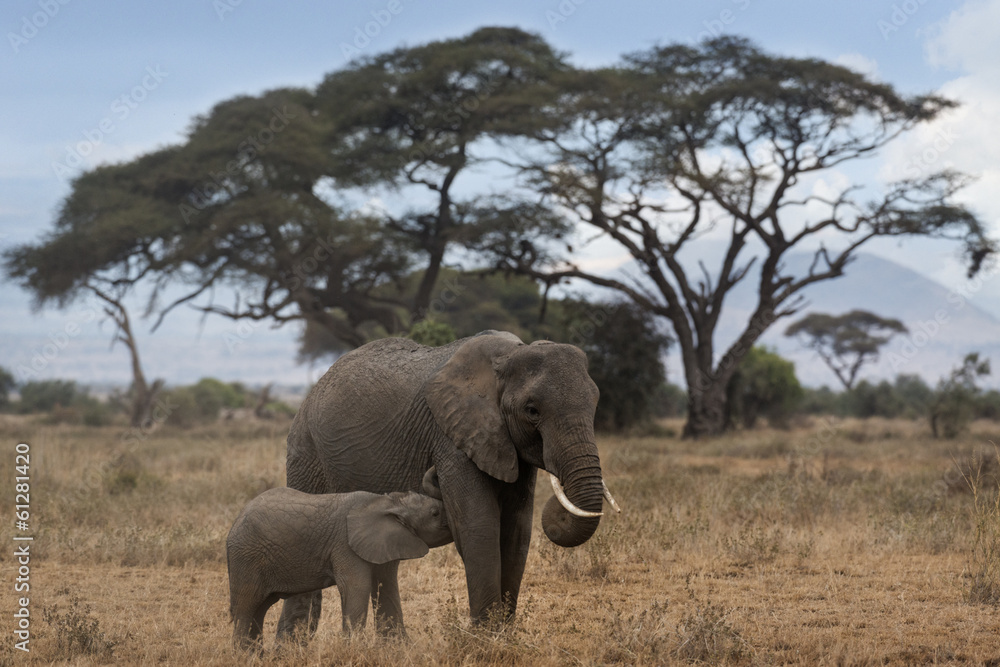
{"x": 764, "y": 385}
{"x": 954, "y": 403}
{"x": 625, "y": 350}
{"x": 670, "y": 401}
{"x": 866, "y": 400}
{"x": 846, "y": 342}
{"x": 822, "y": 401}
{"x": 44, "y": 395}
{"x": 7, "y": 384}
{"x": 988, "y": 405}
{"x": 914, "y": 394}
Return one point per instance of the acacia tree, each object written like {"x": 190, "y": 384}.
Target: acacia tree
{"x": 846, "y": 342}
{"x": 258, "y": 197}
{"x": 680, "y": 142}
{"x": 419, "y": 118}
{"x": 235, "y": 205}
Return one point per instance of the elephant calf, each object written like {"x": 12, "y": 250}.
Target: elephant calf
{"x": 286, "y": 542}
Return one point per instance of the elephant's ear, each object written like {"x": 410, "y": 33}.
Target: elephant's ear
{"x": 377, "y": 534}
{"x": 463, "y": 398}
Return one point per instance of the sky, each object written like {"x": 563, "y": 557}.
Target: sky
{"x": 93, "y": 82}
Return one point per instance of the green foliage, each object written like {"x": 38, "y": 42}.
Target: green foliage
{"x": 625, "y": 350}
{"x": 671, "y": 401}
{"x": 764, "y": 385}
{"x": 431, "y": 332}
{"x": 954, "y": 403}
{"x": 7, "y": 384}
{"x": 44, "y": 395}
{"x": 908, "y": 396}
{"x": 202, "y": 402}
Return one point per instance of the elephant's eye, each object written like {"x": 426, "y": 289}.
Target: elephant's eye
{"x": 532, "y": 412}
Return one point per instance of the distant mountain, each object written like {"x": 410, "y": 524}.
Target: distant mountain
{"x": 944, "y": 325}
{"x": 74, "y": 343}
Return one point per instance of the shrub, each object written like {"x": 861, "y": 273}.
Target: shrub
{"x": 7, "y": 383}
{"x": 78, "y": 632}
{"x": 44, "y": 395}
{"x": 624, "y": 348}
{"x": 954, "y": 403}
{"x": 201, "y": 403}
{"x": 431, "y": 332}
{"x": 763, "y": 385}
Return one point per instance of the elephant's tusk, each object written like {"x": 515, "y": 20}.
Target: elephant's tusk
{"x": 565, "y": 502}
{"x": 610, "y": 498}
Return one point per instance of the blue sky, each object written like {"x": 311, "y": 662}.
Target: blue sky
{"x": 116, "y": 79}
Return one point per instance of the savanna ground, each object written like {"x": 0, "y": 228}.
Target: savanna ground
{"x": 836, "y": 542}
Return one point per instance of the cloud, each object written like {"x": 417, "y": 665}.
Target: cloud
{"x": 968, "y": 39}
{"x": 964, "y": 139}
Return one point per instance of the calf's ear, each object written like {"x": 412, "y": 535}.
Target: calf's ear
{"x": 377, "y": 534}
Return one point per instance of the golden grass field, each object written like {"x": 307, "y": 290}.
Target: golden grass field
{"x": 843, "y": 542}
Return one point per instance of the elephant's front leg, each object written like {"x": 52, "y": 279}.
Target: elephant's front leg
{"x": 470, "y": 499}
{"x": 517, "y": 503}
{"x": 385, "y": 599}
{"x": 354, "y": 581}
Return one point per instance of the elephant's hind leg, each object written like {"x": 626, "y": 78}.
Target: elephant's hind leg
{"x": 248, "y": 624}
{"x": 295, "y": 612}
{"x": 305, "y": 473}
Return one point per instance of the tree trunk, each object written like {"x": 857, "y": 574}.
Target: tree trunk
{"x": 706, "y": 410}
{"x": 260, "y": 410}
{"x": 422, "y": 303}
{"x": 143, "y": 397}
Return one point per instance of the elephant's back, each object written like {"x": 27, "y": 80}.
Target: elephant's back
{"x": 355, "y": 429}
{"x": 374, "y": 381}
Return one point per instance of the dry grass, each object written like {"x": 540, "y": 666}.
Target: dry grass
{"x": 843, "y": 543}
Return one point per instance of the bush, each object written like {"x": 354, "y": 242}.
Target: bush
{"x": 431, "y": 332}
{"x": 954, "y": 404}
{"x": 624, "y": 348}
{"x": 77, "y": 632}
{"x": 44, "y": 395}
{"x": 7, "y": 384}
{"x": 763, "y": 385}
{"x": 201, "y": 403}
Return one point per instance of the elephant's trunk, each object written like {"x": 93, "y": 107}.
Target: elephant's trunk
{"x": 578, "y": 470}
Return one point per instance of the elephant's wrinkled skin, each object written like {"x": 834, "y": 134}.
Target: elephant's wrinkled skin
{"x": 287, "y": 542}
{"x": 487, "y": 411}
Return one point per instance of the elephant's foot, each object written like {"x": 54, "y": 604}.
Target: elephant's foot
{"x": 498, "y": 616}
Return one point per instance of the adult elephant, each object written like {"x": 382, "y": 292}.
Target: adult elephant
{"x": 487, "y": 412}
